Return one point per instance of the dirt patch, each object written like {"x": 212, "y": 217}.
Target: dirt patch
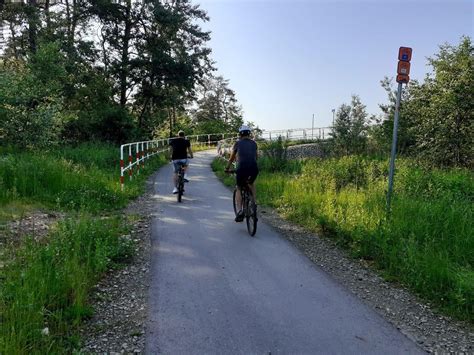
{"x": 35, "y": 224}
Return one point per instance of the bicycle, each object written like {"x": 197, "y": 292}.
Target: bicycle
{"x": 249, "y": 206}
{"x": 180, "y": 181}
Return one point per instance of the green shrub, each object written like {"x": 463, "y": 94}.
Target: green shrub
{"x": 274, "y": 155}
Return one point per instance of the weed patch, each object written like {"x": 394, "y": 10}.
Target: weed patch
{"x": 45, "y": 286}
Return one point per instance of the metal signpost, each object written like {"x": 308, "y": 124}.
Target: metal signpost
{"x": 403, "y": 71}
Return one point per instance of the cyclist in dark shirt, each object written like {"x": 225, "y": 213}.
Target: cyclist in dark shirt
{"x": 245, "y": 151}
{"x": 180, "y": 147}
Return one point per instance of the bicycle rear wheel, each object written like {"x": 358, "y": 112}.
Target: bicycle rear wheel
{"x": 251, "y": 215}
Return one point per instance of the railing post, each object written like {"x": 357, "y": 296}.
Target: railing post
{"x": 209, "y": 140}
{"x": 130, "y": 160}
{"x": 138, "y": 157}
{"x": 121, "y": 167}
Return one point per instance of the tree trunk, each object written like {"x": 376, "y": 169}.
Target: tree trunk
{"x": 125, "y": 58}
{"x": 174, "y": 115}
{"x": 12, "y": 32}
{"x": 142, "y": 114}
{"x": 32, "y": 25}
{"x": 170, "y": 117}
{"x": 48, "y": 17}
{"x": 74, "y": 19}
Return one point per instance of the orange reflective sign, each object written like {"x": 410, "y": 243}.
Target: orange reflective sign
{"x": 403, "y": 68}
{"x": 403, "y": 78}
{"x": 404, "y": 54}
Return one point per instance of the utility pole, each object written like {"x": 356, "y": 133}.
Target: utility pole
{"x": 312, "y": 129}
{"x": 333, "y": 111}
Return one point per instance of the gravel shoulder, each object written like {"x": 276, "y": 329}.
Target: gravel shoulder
{"x": 120, "y": 299}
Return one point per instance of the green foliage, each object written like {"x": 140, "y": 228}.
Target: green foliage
{"x": 349, "y": 135}
{"x": 63, "y": 82}
{"x": 217, "y": 110}
{"x": 436, "y": 116}
{"x": 274, "y": 156}
{"x": 109, "y": 123}
{"x": 31, "y": 109}
{"x": 445, "y": 129}
{"x": 46, "y": 285}
{"x": 428, "y": 241}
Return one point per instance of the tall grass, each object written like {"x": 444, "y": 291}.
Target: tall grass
{"x": 427, "y": 242}
{"x": 85, "y": 178}
{"x": 45, "y": 285}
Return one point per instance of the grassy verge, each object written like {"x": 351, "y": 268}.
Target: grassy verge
{"x": 44, "y": 285}
{"x": 84, "y": 178}
{"x": 428, "y": 241}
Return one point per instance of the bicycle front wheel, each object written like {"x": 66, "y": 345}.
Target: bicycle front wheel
{"x": 234, "y": 201}
{"x": 180, "y": 187}
{"x": 251, "y": 216}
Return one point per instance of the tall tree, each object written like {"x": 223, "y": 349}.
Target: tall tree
{"x": 119, "y": 32}
{"x": 217, "y": 108}
{"x": 445, "y": 105}
{"x": 350, "y": 128}
{"x": 173, "y": 58}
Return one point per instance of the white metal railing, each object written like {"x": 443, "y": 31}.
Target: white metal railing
{"x": 314, "y": 133}
{"x": 139, "y": 152}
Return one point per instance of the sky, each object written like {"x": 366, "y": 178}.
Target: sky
{"x": 289, "y": 59}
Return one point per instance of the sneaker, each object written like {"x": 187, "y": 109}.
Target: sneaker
{"x": 240, "y": 216}
{"x": 175, "y": 190}
{"x": 186, "y": 178}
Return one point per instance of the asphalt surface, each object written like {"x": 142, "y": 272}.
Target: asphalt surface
{"x": 216, "y": 290}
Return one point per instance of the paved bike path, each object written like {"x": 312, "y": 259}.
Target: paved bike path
{"x": 216, "y": 290}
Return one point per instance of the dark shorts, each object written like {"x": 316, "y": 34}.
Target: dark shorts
{"x": 246, "y": 173}
{"x": 178, "y": 162}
